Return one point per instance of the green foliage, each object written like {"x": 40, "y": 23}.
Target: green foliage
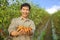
{"x": 56, "y": 18}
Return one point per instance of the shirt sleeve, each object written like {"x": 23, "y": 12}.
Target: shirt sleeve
{"x": 12, "y": 26}
{"x": 32, "y": 26}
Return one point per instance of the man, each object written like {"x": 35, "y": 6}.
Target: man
{"x": 22, "y": 21}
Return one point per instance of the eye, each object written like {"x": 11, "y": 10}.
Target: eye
{"x": 27, "y": 9}
{"x": 23, "y": 9}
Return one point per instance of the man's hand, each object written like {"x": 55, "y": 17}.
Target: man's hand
{"x": 30, "y": 33}
{"x": 14, "y": 33}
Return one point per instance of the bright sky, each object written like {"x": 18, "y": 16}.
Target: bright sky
{"x": 50, "y": 6}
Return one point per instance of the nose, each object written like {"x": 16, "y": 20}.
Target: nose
{"x": 25, "y": 11}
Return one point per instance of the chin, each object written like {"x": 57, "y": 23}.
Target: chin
{"x": 25, "y": 16}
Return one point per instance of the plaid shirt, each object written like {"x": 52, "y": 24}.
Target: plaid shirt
{"x": 20, "y": 21}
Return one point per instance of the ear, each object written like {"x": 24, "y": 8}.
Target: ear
{"x": 29, "y": 11}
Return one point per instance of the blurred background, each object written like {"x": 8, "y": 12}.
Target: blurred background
{"x": 45, "y": 14}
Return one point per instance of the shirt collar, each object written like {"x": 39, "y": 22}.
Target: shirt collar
{"x": 24, "y": 19}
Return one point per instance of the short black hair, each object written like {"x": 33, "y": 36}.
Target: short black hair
{"x": 26, "y": 4}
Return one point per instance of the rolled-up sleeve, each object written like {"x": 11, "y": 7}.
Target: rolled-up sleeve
{"x": 12, "y": 26}
{"x": 32, "y": 26}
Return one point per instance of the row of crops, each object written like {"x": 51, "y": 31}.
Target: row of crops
{"x": 56, "y": 20}
{"x": 52, "y": 32}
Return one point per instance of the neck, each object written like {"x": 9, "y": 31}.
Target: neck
{"x": 24, "y": 17}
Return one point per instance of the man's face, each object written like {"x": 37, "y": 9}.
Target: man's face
{"x": 25, "y": 11}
